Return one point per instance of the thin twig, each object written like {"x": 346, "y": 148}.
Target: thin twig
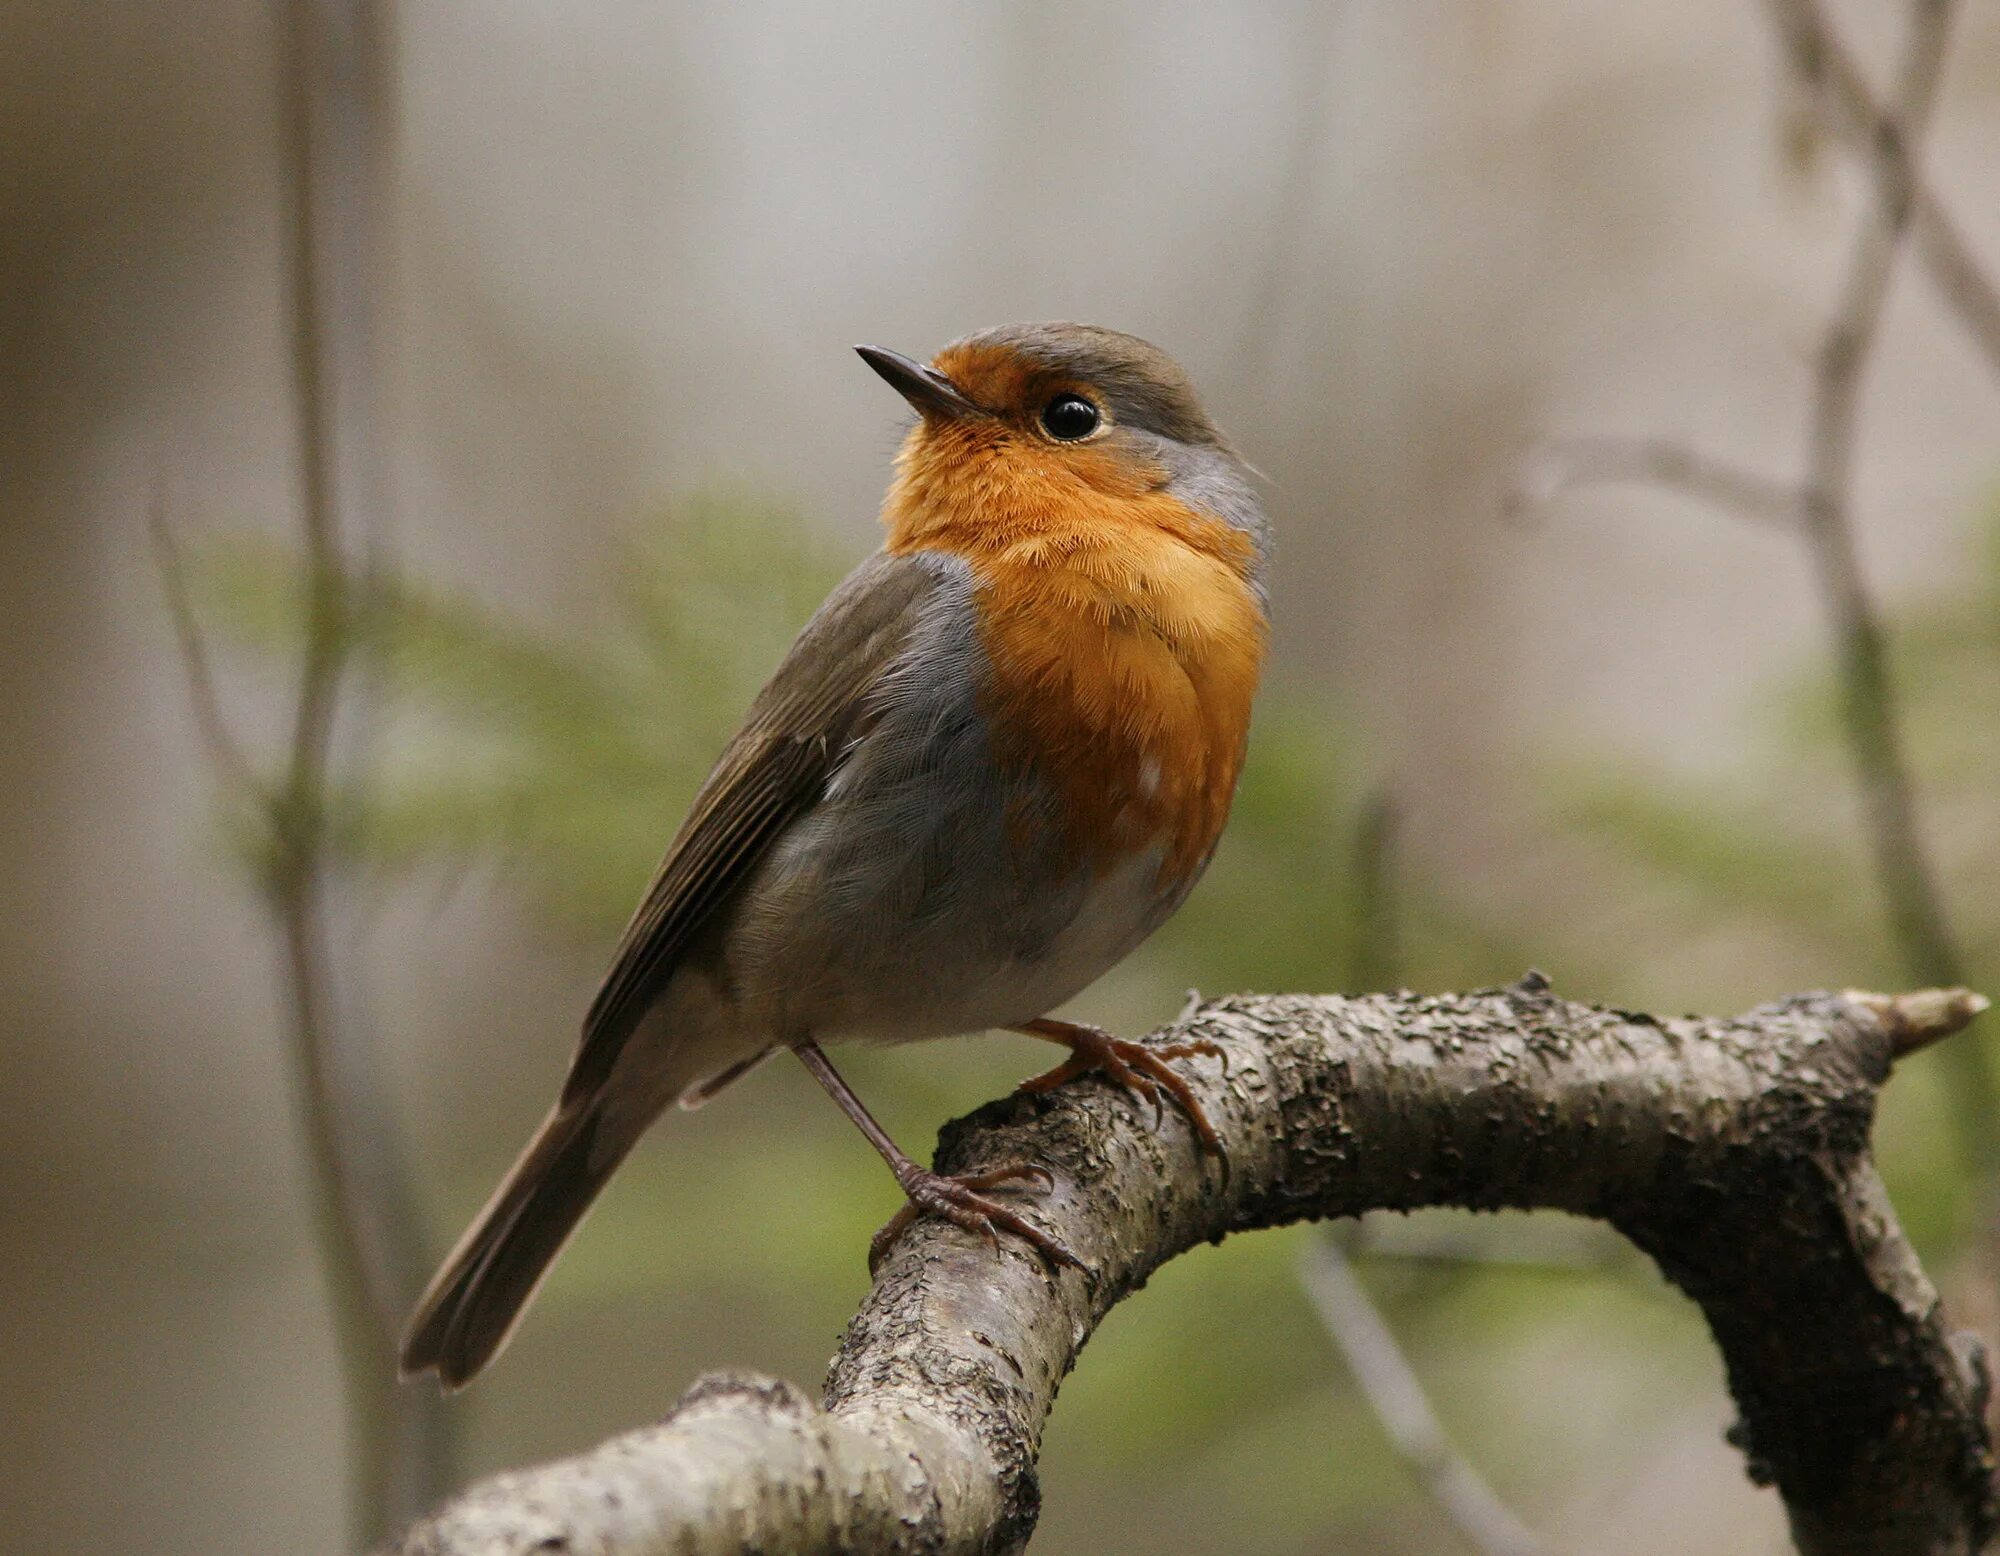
{"x": 1869, "y": 705}
{"x": 362, "y": 1206}
{"x": 1376, "y": 947}
{"x": 362, "y": 1214}
{"x": 1387, "y": 1380}
{"x": 295, "y": 879}
{"x": 1915, "y": 1021}
{"x": 1820, "y": 506}
{"x": 1953, "y": 269}
{"x": 1886, "y": 140}
{"x": 1561, "y": 465}
{"x": 1398, "y": 1399}
{"x": 225, "y": 754}
{"x": 1292, "y": 193}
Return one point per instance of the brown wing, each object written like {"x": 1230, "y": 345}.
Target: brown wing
{"x": 776, "y": 768}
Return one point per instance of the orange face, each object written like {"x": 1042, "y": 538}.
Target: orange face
{"x": 1122, "y": 626}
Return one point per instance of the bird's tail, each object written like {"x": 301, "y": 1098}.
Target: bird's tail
{"x": 473, "y": 1302}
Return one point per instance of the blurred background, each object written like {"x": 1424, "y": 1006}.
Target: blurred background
{"x": 580, "y": 423}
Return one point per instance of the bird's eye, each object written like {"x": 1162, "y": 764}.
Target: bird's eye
{"x": 1069, "y": 417}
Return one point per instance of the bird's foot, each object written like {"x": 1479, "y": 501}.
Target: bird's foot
{"x": 962, "y": 1202}
{"x": 1141, "y": 1069}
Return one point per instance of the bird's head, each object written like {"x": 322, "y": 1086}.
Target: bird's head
{"x": 1027, "y": 429}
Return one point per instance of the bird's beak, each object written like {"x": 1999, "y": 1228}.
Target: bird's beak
{"x": 928, "y": 390}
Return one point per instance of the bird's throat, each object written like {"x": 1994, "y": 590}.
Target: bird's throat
{"x": 1122, "y": 633}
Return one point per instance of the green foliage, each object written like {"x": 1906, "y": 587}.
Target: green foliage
{"x": 571, "y": 760}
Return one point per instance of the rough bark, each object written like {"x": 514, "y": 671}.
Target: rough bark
{"x": 1734, "y": 1152}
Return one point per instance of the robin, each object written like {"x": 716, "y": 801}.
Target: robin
{"x": 995, "y": 760}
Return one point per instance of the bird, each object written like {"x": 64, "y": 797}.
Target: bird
{"x": 993, "y": 762}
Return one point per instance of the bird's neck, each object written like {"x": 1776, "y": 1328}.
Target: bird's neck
{"x": 984, "y": 494}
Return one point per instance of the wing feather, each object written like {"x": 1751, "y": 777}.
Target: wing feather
{"x": 816, "y": 704}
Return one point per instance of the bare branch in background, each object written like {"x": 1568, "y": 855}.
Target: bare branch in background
{"x": 1388, "y": 1381}
{"x": 1398, "y": 1399}
{"x": 1733, "y": 1152}
{"x": 1562, "y": 465}
{"x": 364, "y": 1216}
{"x": 1312, "y": 94}
{"x": 1377, "y": 929}
{"x": 232, "y": 765}
{"x": 1870, "y": 709}
{"x": 1887, "y": 141}
{"x": 1820, "y": 505}
{"x": 1957, "y": 275}
{"x": 363, "y": 1209}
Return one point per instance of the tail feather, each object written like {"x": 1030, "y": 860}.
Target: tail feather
{"x": 473, "y": 1303}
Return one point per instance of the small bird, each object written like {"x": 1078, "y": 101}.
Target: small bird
{"x": 995, "y": 760}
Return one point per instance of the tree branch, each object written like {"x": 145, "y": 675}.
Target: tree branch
{"x": 1734, "y": 1152}
{"x": 363, "y": 1208}
{"x": 232, "y": 765}
{"x": 1820, "y": 507}
{"x": 1870, "y": 708}
{"x": 1397, "y": 1397}
{"x": 1560, "y": 465}
{"x": 1840, "y": 89}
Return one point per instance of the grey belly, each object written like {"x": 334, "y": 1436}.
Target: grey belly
{"x": 924, "y": 897}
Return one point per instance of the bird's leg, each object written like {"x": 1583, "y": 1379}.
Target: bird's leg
{"x": 958, "y": 1200}
{"x": 1140, "y": 1069}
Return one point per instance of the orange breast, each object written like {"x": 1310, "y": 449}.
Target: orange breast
{"x": 1124, "y": 637}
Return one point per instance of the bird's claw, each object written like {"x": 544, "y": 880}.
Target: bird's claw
{"x": 961, "y": 1201}
{"x": 1194, "y": 1047}
{"x": 1141, "y": 1070}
